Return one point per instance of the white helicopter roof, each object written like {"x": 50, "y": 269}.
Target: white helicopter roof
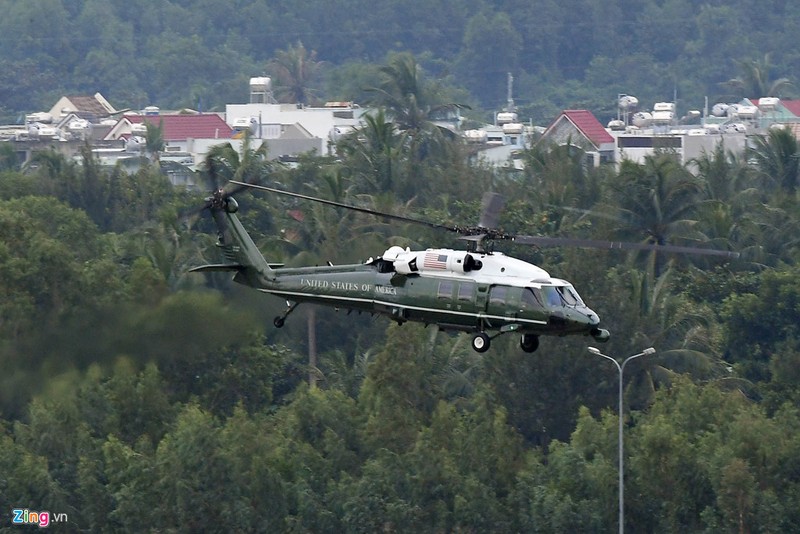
{"x": 495, "y": 268}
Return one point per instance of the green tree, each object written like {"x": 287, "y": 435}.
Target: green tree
{"x": 654, "y": 202}
{"x": 414, "y": 107}
{"x": 777, "y": 158}
{"x": 296, "y": 71}
{"x": 755, "y": 81}
{"x": 373, "y": 160}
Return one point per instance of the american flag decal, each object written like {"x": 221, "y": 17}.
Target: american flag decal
{"x": 434, "y": 260}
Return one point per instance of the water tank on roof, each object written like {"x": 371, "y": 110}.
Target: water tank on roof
{"x": 769, "y": 103}
{"x": 746, "y": 112}
{"x": 664, "y": 106}
{"x": 720, "y": 109}
{"x": 735, "y": 127}
{"x": 260, "y": 84}
{"x": 39, "y": 116}
{"x": 692, "y": 114}
{"x": 242, "y": 123}
{"x": 337, "y": 132}
{"x": 641, "y": 119}
{"x": 38, "y": 130}
{"x": 663, "y": 117}
{"x": 78, "y": 125}
{"x": 616, "y": 125}
{"x": 627, "y": 102}
{"x": 506, "y": 117}
{"x": 475, "y": 136}
{"x": 663, "y": 112}
{"x": 135, "y": 143}
{"x": 151, "y": 110}
{"x": 513, "y": 128}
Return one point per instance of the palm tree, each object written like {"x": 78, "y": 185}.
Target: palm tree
{"x": 295, "y": 69}
{"x": 154, "y": 140}
{"x": 655, "y": 201}
{"x": 372, "y": 152}
{"x": 414, "y": 106}
{"x": 754, "y": 81}
{"x": 656, "y": 314}
{"x": 777, "y": 158}
{"x": 223, "y": 163}
{"x": 728, "y": 212}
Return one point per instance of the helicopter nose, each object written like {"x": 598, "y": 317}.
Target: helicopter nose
{"x": 592, "y": 317}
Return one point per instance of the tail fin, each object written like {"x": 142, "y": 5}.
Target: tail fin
{"x": 238, "y": 249}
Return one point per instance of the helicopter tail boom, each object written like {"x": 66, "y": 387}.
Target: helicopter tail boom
{"x": 240, "y": 252}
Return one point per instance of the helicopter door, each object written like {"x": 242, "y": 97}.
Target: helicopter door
{"x": 503, "y": 301}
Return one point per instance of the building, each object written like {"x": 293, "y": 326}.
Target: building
{"x": 187, "y": 136}
{"x": 292, "y": 129}
{"x": 579, "y": 127}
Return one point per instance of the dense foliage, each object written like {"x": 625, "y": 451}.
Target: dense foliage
{"x": 568, "y": 54}
{"x": 138, "y": 397}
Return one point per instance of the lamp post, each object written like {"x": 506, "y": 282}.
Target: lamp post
{"x": 621, "y": 369}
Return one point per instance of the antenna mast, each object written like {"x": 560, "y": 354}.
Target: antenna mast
{"x": 510, "y": 99}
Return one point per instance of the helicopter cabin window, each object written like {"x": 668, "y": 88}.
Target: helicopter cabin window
{"x": 445, "y": 290}
{"x": 466, "y": 291}
{"x": 529, "y": 299}
{"x": 498, "y": 295}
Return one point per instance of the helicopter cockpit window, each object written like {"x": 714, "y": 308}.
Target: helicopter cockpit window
{"x": 552, "y": 296}
{"x": 570, "y": 297}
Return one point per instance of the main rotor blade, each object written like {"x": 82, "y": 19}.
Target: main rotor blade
{"x": 348, "y": 206}
{"x": 491, "y": 206}
{"x": 620, "y": 245}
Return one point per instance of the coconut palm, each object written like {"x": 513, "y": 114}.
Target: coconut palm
{"x": 372, "y": 152}
{"x": 154, "y": 140}
{"x": 754, "y": 80}
{"x": 294, "y": 69}
{"x": 777, "y": 158}
{"x": 728, "y": 214}
{"x": 223, "y": 163}
{"x": 655, "y": 202}
{"x": 657, "y": 315}
{"x": 414, "y": 108}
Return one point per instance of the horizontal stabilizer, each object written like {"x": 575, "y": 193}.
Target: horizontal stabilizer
{"x": 217, "y": 267}
{"x": 226, "y": 267}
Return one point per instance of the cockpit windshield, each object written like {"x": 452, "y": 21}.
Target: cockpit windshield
{"x": 559, "y": 296}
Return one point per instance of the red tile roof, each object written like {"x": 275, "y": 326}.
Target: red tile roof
{"x": 793, "y": 106}
{"x": 588, "y": 124}
{"x": 182, "y": 127}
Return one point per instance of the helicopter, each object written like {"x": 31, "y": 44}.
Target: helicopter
{"x": 475, "y": 290}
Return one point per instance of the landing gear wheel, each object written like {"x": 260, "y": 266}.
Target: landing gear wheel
{"x": 481, "y": 342}
{"x": 529, "y": 342}
{"x": 279, "y": 322}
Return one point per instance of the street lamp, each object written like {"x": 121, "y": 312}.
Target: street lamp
{"x": 621, "y": 369}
